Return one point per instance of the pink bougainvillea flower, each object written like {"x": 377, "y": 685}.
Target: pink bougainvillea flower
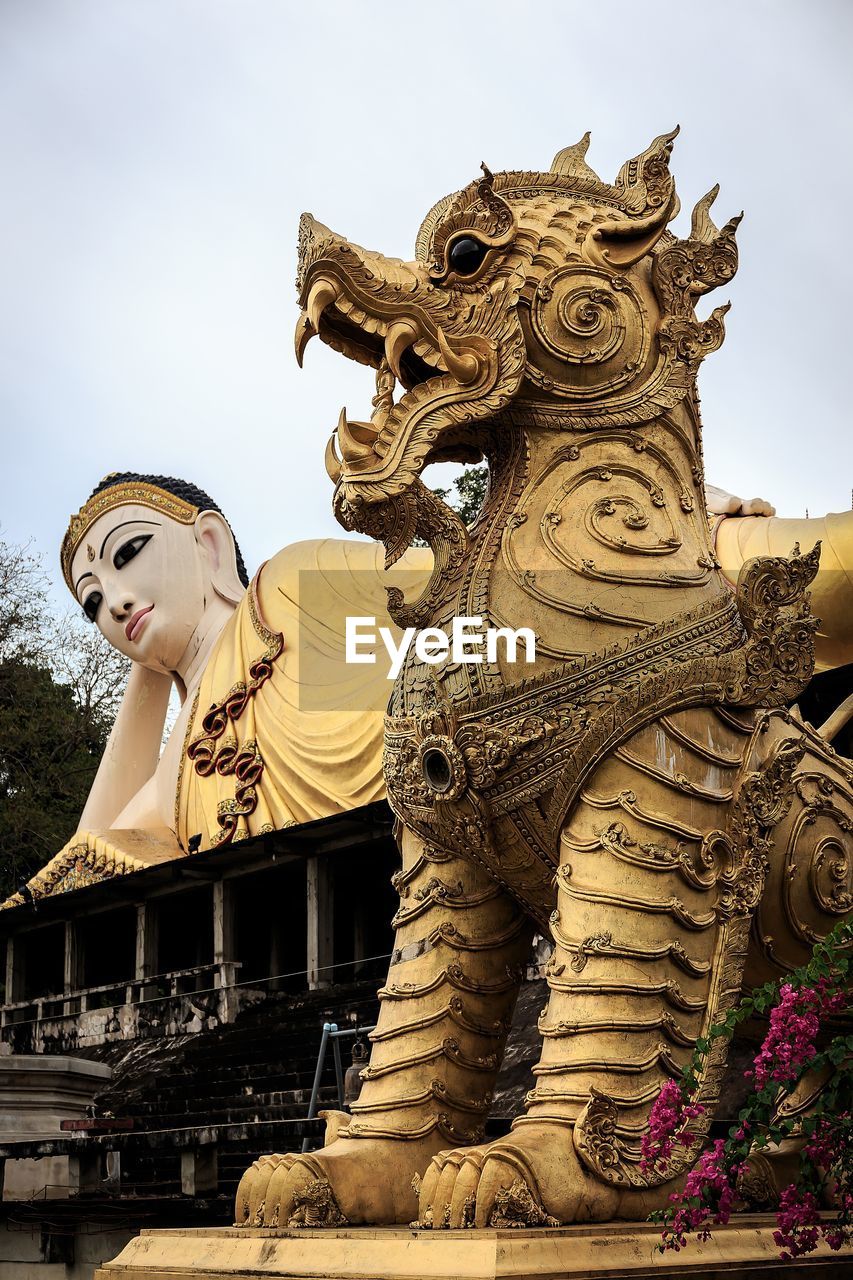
{"x": 668, "y": 1119}
{"x": 790, "y": 1043}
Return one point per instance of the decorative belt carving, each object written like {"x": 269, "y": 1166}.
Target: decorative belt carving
{"x": 495, "y": 779}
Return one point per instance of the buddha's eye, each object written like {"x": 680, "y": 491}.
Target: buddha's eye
{"x": 129, "y": 549}
{"x": 91, "y": 605}
{"x": 467, "y": 255}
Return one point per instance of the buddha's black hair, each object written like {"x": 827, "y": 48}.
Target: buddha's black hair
{"x": 179, "y": 489}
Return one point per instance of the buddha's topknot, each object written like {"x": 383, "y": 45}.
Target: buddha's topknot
{"x": 179, "y": 489}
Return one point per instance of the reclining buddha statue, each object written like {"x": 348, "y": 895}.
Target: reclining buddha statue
{"x": 643, "y": 793}
{"x": 274, "y": 727}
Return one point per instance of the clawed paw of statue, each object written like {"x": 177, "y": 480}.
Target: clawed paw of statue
{"x": 348, "y": 1182}
{"x": 530, "y": 1178}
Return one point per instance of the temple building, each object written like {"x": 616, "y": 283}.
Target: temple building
{"x": 161, "y": 1029}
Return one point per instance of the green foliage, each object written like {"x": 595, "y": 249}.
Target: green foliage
{"x": 49, "y": 752}
{"x": 470, "y": 493}
{"x": 23, "y": 600}
{"x": 60, "y": 684}
{"x": 831, "y": 960}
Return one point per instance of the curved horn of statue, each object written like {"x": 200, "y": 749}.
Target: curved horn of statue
{"x": 613, "y": 795}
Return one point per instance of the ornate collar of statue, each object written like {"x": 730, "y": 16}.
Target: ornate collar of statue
{"x": 129, "y": 492}
{"x": 493, "y": 778}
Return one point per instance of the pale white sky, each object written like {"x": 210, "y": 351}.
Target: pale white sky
{"x": 156, "y": 154}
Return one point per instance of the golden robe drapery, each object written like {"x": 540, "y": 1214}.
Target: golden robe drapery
{"x": 285, "y": 730}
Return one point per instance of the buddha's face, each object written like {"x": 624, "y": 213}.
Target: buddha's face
{"x": 145, "y": 580}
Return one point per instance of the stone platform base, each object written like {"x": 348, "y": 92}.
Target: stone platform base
{"x": 616, "y": 1251}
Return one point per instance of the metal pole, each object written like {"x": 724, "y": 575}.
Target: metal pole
{"x": 339, "y": 1071}
{"x": 318, "y": 1074}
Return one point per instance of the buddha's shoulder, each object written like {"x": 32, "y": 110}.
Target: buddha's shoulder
{"x": 323, "y": 554}
{"x": 321, "y": 572}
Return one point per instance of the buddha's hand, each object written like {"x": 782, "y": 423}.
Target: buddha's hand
{"x": 146, "y": 686}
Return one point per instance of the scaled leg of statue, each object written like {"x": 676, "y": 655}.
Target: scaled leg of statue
{"x": 641, "y": 965}
{"x": 460, "y": 948}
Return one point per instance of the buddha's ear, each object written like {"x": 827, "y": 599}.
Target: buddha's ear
{"x": 216, "y": 543}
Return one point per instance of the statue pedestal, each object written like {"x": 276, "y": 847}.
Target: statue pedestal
{"x": 604, "y": 1251}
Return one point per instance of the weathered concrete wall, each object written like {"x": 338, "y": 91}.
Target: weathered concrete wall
{"x": 38, "y": 1093}
{"x": 42, "y": 1178}
{"x": 177, "y": 1015}
{"x": 25, "y": 1253}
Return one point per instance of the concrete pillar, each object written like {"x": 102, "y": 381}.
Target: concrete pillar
{"x": 223, "y": 922}
{"x": 85, "y": 1171}
{"x": 145, "y": 964}
{"x": 112, "y": 1171}
{"x": 72, "y": 971}
{"x": 200, "y": 1171}
{"x": 321, "y": 921}
{"x": 227, "y": 971}
{"x": 9, "y": 986}
{"x": 359, "y": 935}
{"x": 16, "y": 969}
{"x": 276, "y": 965}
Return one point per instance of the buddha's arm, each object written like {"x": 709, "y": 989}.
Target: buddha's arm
{"x": 739, "y": 539}
{"x": 132, "y": 750}
{"x": 142, "y": 813}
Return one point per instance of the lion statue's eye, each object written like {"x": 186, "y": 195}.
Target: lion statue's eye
{"x": 466, "y": 255}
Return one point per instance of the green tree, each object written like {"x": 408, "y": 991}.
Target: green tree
{"x": 470, "y": 492}
{"x": 60, "y": 684}
{"x": 23, "y": 602}
{"x": 49, "y": 752}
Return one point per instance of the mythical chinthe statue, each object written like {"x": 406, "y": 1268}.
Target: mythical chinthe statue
{"x": 643, "y": 794}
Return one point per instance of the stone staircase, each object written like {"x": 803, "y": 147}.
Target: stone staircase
{"x": 245, "y": 1086}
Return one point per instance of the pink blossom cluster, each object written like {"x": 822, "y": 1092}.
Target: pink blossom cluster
{"x": 667, "y": 1120}
{"x": 837, "y": 1233}
{"x": 799, "y": 1225}
{"x": 789, "y": 1045}
{"x": 827, "y": 1141}
{"x": 798, "y": 1222}
{"x": 709, "y": 1192}
{"x": 710, "y": 1189}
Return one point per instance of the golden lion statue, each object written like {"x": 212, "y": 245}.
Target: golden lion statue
{"x": 642, "y": 793}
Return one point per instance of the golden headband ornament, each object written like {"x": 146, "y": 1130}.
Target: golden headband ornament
{"x": 129, "y": 492}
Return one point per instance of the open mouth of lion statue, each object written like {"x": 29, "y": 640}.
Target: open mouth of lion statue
{"x": 443, "y": 335}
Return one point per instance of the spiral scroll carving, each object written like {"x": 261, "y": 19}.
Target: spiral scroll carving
{"x": 625, "y": 513}
{"x": 593, "y": 322}
{"x": 830, "y": 877}
{"x": 818, "y": 853}
{"x": 811, "y": 883}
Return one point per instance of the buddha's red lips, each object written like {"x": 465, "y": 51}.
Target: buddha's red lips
{"x": 133, "y": 627}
